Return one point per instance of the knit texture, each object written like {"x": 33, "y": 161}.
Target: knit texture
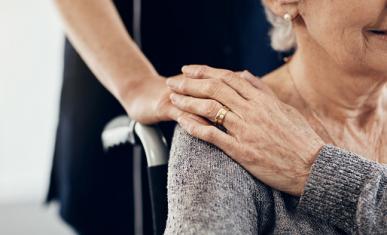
{"x": 208, "y": 193}
{"x": 348, "y": 191}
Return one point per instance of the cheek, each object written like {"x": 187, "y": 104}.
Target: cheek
{"x": 346, "y": 46}
{"x": 338, "y": 29}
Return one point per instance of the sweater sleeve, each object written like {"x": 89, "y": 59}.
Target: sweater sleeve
{"x": 208, "y": 193}
{"x": 348, "y": 191}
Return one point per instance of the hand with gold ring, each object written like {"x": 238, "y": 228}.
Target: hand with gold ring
{"x": 268, "y": 138}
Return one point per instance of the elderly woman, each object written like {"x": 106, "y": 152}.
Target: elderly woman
{"x": 335, "y": 79}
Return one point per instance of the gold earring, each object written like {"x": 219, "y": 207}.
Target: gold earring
{"x": 288, "y": 17}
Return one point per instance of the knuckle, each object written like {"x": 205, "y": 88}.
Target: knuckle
{"x": 228, "y": 75}
{"x": 201, "y": 70}
{"x": 228, "y": 79}
{"x": 192, "y": 130}
{"x": 184, "y": 103}
{"x": 214, "y": 106}
{"x": 183, "y": 85}
{"x": 209, "y": 134}
{"x": 209, "y": 88}
{"x": 211, "y": 108}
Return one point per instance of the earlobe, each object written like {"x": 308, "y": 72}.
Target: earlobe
{"x": 288, "y": 17}
{"x": 275, "y": 6}
{"x": 287, "y": 9}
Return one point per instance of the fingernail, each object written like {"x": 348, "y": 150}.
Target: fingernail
{"x": 173, "y": 98}
{"x": 173, "y": 83}
{"x": 186, "y": 69}
{"x": 190, "y": 70}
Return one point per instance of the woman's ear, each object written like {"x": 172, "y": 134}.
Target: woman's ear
{"x": 282, "y": 7}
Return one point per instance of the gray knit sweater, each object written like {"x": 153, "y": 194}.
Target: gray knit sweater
{"x": 208, "y": 193}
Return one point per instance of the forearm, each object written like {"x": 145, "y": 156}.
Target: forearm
{"x": 99, "y": 35}
{"x": 348, "y": 191}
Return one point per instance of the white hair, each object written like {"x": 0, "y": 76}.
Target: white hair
{"x": 281, "y": 34}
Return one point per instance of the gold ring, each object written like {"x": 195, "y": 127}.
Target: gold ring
{"x": 220, "y": 116}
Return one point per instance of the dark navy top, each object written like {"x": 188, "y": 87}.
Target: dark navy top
{"x": 95, "y": 189}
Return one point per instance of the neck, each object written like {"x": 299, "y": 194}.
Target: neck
{"x": 336, "y": 93}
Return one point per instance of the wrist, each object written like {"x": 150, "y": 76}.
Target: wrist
{"x": 311, "y": 156}
{"x": 133, "y": 88}
{"x": 148, "y": 102}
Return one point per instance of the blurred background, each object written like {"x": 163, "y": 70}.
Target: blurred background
{"x": 31, "y": 45}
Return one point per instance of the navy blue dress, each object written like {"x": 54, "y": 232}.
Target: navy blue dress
{"x": 95, "y": 189}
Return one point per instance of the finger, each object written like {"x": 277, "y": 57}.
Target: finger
{"x": 206, "y": 108}
{"x": 256, "y": 82}
{"x": 210, "y": 88}
{"x": 232, "y": 79}
{"x": 175, "y": 113}
{"x": 209, "y": 134}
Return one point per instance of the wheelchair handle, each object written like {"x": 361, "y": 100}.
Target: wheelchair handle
{"x": 122, "y": 130}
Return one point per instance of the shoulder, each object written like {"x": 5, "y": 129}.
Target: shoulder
{"x": 190, "y": 152}
{"x": 207, "y": 191}
{"x": 195, "y": 158}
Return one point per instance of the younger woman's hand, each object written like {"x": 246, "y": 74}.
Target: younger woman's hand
{"x": 149, "y": 103}
{"x": 268, "y": 138}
